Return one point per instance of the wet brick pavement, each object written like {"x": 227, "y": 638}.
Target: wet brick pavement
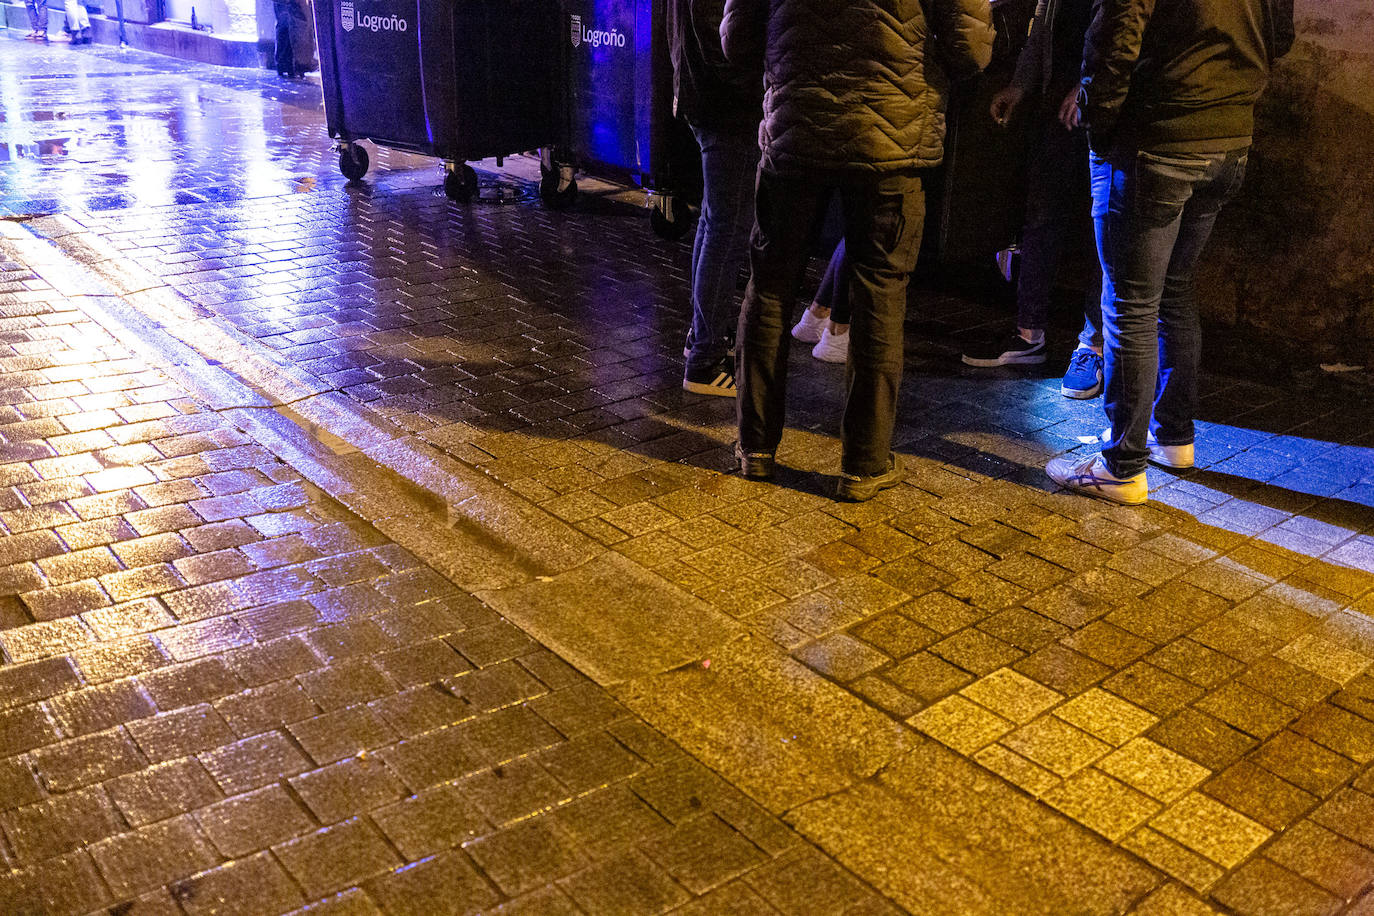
{"x": 1186, "y": 684}
{"x": 226, "y": 693}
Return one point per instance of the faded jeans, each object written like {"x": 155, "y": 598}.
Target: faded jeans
{"x": 883, "y": 217}
{"x": 38, "y": 15}
{"x": 1153, "y": 214}
{"x": 729, "y": 163}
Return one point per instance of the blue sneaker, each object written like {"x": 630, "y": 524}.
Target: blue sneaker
{"x": 1083, "y": 380}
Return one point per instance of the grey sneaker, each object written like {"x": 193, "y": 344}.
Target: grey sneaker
{"x": 755, "y": 465}
{"x": 852, "y": 488}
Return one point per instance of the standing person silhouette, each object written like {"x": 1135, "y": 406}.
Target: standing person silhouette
{"x": 854, "y": 102}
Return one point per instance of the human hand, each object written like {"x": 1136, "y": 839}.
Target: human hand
{"x": 1069, "y": 114}
{"x": 1004, "y": 104}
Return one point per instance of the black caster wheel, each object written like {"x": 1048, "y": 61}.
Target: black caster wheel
{"x": 672, "y": 222}
{"x": 553, "y": 198}
{"x": 353, "y": 162}
{"x": 460, "y": 184}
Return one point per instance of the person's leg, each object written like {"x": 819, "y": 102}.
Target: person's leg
{"x": 787, "y": 211}
{"x": 812, "y": 325}
{"x": 119, "y": 11}
{"x": 833, "y": 345}
{"x": 840, "y": 308}
{"x": 1143, "y": 212}
{"x": 285, "y": 52}
{"x": 883, "y": 219}
{"x": 77, "y": 19}
{"x": 729, "y": 163}
{"x": 1180, "y": 331}
{"x": 1051, "y": 195}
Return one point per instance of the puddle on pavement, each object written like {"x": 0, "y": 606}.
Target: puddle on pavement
{"x": 39, "y": 149}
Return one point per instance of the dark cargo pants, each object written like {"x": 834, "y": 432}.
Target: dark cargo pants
{"x": 883, "y": 216}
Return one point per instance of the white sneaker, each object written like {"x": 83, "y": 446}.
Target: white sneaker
{"x": 1178, "y": 457}
{"x": 832, "y": 348}
{"x": 1089, "y": 475}
{"x": 810, "y": 329}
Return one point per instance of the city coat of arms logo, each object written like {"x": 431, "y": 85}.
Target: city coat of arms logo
{"x": 576, "y": 30}
{"x": 346, "y": 15}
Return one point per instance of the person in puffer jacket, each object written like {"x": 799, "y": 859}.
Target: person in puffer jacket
{"x": 1168, "y": 94}
{"x": 854, "y": 103}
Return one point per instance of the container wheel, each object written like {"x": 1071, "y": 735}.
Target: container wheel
{"x": 353, "y": 162}
{"x": 553, "y": 198}
{"x": 460, "y": 184}
{"x": 671, "y": 221}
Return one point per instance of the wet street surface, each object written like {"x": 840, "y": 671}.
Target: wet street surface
{"x": 361, "y": 550}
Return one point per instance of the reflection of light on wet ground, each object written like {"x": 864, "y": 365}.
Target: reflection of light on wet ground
{"x": 137, "y": 132}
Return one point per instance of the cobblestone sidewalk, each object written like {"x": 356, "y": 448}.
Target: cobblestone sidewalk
{"x": 1172, "y": 677}
{"x": 980, "y": 695}
{"x": 223, "y": 692}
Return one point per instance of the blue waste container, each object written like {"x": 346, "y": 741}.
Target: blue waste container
{"x": 620, "y": 104}
{"x": 455, "y": 79}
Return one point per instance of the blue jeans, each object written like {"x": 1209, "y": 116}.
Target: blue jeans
{"x": 1056, "y": 187}
{"x": 1153, "y": 214}
{"x": 38, "y": 15}
{"x": 729, "y": 164}
{"x": 833, "y": 293}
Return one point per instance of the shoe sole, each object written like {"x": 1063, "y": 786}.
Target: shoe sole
{"x": 1079, "y": 394}
{"x": 704, "y": 388}
{"x": 999, "y": 361}
{"x": 864, "y": 490}
{"x": 1161, "y": 462}
{"x": 837, "y": 358}
{"x": 1097, "y": 494}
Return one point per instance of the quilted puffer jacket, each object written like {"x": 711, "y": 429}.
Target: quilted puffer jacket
{"x": 856, "y": 84}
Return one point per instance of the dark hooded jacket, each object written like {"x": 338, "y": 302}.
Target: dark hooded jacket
{"x": 1179, "y": 75}
{"x": 1052, "y": 57}
{"x": 709, "y": 91}
{"x": 856, "y": 84}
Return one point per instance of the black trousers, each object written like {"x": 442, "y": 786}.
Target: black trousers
{"x": 287, "y": 23}
{"x": 883, "y": 215}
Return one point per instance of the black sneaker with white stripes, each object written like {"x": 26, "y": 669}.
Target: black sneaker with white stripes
{"x": 1013, "y": 350}
{"x": 719, "y": 380}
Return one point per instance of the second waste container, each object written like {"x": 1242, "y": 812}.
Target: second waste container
{"x": 620, "y": 104}
{"x": 455, "y": 79}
